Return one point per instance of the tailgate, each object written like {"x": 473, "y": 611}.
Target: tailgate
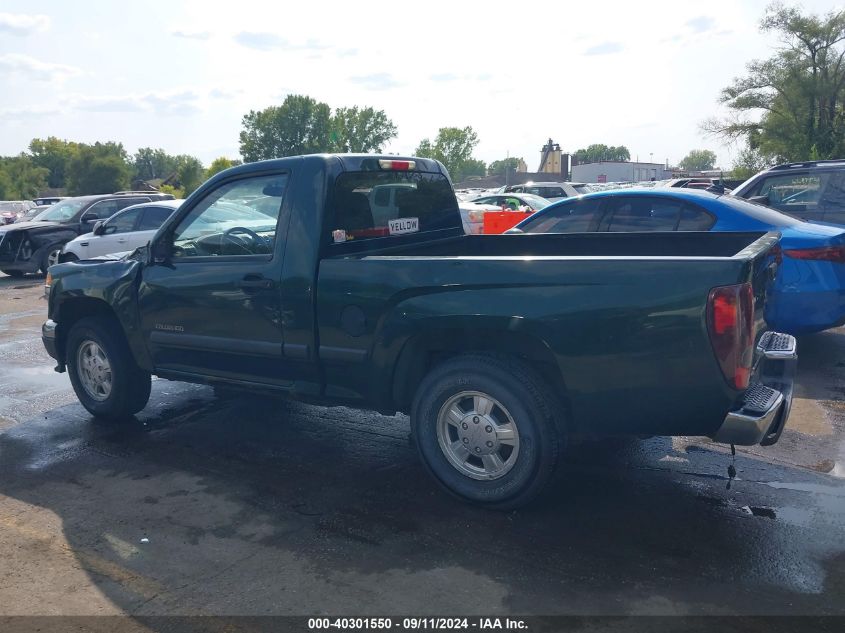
{"x": 758, "y": 363}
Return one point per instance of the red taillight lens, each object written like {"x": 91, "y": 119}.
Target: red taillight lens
{"x": 730, "y": 322}
{"x": 825, "y": 253}
{"x": 397, "y": 165}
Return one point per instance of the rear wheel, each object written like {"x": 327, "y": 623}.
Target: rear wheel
{"x": 102, "y": 370}
{"x": 488, "y": 429}
{"x": 17, "y": 274}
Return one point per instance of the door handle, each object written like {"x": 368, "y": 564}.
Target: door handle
{"x": 256, "y": 283}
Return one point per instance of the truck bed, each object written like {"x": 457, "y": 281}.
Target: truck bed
{"x": 593, "y": 245}
{"x": 620, "y": 316}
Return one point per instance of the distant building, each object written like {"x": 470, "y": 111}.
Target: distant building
{"x": 618, "y": 171}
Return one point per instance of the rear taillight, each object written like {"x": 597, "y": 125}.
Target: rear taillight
{"x": 730, "y": 322}
{"x": 824, "y": 253}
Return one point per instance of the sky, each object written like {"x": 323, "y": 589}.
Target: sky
{"x": 180, "y": 75}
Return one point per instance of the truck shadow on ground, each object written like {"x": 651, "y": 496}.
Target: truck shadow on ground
{"x": 254, "y": 507}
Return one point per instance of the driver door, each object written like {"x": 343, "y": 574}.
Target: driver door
{"x": 213, "y": 306}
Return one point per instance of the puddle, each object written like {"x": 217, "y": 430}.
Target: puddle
{"x": 837, "y": 491}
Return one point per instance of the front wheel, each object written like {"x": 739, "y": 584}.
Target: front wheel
{"x": 51, "y": 257}
{"x": 488, "y": 429}
{"x": 102, "y": 370}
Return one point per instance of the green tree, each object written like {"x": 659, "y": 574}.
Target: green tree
{"x": 21, "y": 178}
{"x": 748, "y": 162}
{"x": 189, "y": 172}
{"x": 800, "y": 90}
{"x": 698, "y": 160}
{"x": 54, "y": 155}
{"x": 219, "y": 164}
{"x": 498, "y": 167}
{"x": 149, "y": 164}
{"x": 98, "y": 168}
{"x": 598, "y": 152}
{"x": 453, "y": 147}
{"x": 360, "y": 130}
{"x": 300, "y": 125}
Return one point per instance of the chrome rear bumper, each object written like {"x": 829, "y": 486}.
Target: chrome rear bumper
{"x": 761, "y": 416}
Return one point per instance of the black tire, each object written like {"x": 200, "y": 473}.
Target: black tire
{"x": 523, "y": 395}
{"x": 17, "y": 274}
{"x": 130, "y": 385}
{"x": 45, "y": 258}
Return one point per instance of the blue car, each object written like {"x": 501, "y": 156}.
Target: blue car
{"x": 809, "y": 292}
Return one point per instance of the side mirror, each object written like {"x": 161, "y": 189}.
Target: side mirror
{"x": 160, "y": 250}
{"x": 88, "y": 217}
{"x": 760, "y": 199}
{"x": 98, "y": 227}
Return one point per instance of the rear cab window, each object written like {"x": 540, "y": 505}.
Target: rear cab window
{"x": 379, "y": 207}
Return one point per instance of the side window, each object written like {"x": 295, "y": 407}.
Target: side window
{"x": 575, "y": 217}
{"x": 695, "y": 220}
{"x": 123, "y": 222}
{"x": 154, "y": 217}
{"x": 223, "y": 224}
{"x": 104, "y": 209}
{"x": 643, "y": 214}
{"x": 833, "y": 195}
{"x": 790, "y": 192}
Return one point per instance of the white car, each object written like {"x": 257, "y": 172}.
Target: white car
{"x": 552, "y": 191}
{"x": 126, "y": 230}
{"x": 472, "y": 216}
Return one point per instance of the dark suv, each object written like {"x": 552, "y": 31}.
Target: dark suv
{"x": 813, "y": 190}
{"x": 26, "y": 247}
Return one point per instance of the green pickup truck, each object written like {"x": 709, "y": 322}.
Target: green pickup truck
{"x": 279, "y": 277}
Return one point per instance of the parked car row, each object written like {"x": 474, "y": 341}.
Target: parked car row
{"x": 27, "y": 247}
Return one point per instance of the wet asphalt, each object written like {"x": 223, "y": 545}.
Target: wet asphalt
{"x": 246, "y": 506}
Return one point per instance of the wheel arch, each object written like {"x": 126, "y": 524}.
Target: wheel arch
{"x": 424, "y": 351}
{"x": 71, "y": 311}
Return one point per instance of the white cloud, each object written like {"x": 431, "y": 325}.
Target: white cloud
{"x": 701, "y": 23}
{"x": 161, "y": 103}
{"x": 191, "y": 35}
{"x": 376, "y": 81}
{"x": 605, "y": 48}
{"x": 15, "y": 63}
{"x": 23, "y": 24}
{"x": 28, "y": 114}
{"x": 224, "y": 93}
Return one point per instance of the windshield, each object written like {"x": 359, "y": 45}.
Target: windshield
{"x": 61, "y": 211}
{"x": 759, "y": 212}
{"x": 582, "y": 189}
{"x": 11, "y": 206}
